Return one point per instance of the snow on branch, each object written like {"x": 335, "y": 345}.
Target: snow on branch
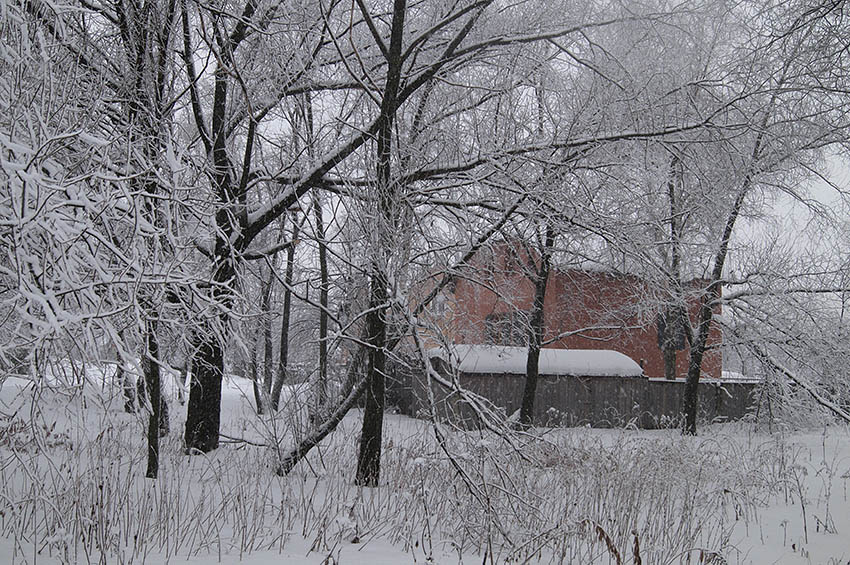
{"x": 766, "y": 358}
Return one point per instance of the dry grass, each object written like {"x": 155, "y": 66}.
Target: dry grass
{"x": 71, "y": 487}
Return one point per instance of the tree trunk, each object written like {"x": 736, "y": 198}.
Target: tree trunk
{"x": 203, "y": 416}
{"x": 322, "y": 380}
{"x": 535, "y": 342}
{"x": 669, "y": 363}
{"x": 182, "y": 386}
{"x": 263, "y": 394}
{"x": 706, "y": 314}
{"x": 691, "y": 400}
{"x": 129, "y": 391}
{"x": 321, "y": 392}
{"x": 268, "y": 358}
{"x": 144, "y": 399}
{"x": 698, "y": 348}
{"x": 127, "y": 385}
{"x": 152, "y": 382}
{"x": 369, "y": 456}
{"x": 253, "y": 374}
{"x": 164, "y": 423}
{"x": 283, "y": 359}
{"x": 526, "y": 412}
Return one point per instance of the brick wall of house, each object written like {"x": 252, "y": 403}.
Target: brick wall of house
{"x": 490, "y": 307}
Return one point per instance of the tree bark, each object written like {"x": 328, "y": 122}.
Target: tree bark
{"x": 321, "y": 393}
{"x": 535, "y": 342}
{"x": 322, "y": 379}
{"x": 203, "y": 418}
{"x": 144, "y": 399}
{"x": 268, "y": 349}
{"x": 706, "y": 315}
{"x": 526, "y": 413}
{"x": 203, "y": 415}
{"x": 152, "y": 382}
{"x": 127, "y": 386}
{"x": 253, "y": 374}
{"x": 669, "y": 363}
{"x": 691, "y": 399}
{"x": 283, "y": 359}
{"x": 184, "y": 372}
{"x": 369, "y": 456}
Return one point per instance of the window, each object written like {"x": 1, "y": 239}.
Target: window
{"x": 671, "y": 329}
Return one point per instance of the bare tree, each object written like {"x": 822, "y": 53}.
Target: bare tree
{"x": 417, "y": 175}
{"x": 774, "y": 126}
{"x": 121, "y": 57}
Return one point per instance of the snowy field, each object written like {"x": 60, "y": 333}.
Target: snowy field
{"x": 72, "y": 491}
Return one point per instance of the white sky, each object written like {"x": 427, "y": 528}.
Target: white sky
{"x": 793, "y": 223}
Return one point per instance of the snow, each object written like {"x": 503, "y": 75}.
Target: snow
{"x": 756, "y": 497}
{"x": 566, "y": 362}
{"x": 816, "y": 531}
{"x": 92, "y": 139}
{"x": 736, "y": 377}
{"x": 727, "y": 377}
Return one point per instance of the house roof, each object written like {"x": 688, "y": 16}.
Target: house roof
{"x": 512, "y": 360}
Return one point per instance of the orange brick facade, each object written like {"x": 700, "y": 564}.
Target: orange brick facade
{"x": 490, "y": 306}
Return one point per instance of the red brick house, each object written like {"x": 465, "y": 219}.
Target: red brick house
{"x": 583, "y": 308}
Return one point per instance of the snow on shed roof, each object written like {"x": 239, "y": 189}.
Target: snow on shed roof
{"x": 574, "y": 362}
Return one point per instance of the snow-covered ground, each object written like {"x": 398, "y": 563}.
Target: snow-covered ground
{"x": 72, "y": 467}
{"x": 808, "y": 521}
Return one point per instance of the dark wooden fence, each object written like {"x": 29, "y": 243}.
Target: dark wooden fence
{"x": 573, "y": 401}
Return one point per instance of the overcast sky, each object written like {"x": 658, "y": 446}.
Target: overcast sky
{"x": 791, "y": 221}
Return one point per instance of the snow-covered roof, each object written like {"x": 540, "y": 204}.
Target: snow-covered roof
{"x": 512, "y": 360}
{"x": 728, "y": 377}
{"x": 736, "y": 377}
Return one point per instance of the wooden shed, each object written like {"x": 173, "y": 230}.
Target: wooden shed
{"x": 601, "y": 388}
